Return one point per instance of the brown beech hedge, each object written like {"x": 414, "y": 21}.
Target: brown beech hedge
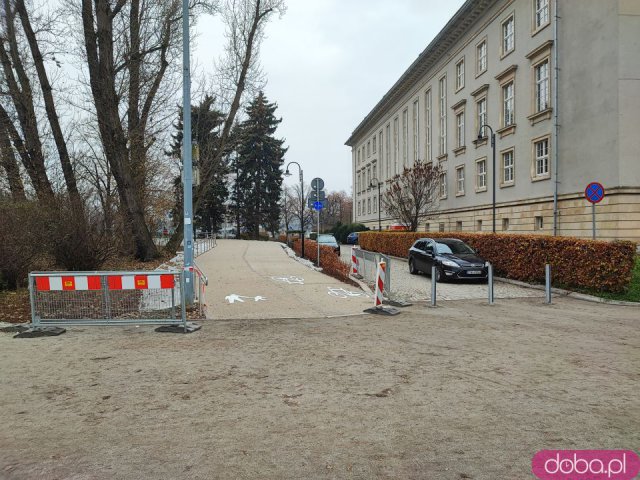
{"x": 329, "y": 260}
{"x": 575, "y": 263}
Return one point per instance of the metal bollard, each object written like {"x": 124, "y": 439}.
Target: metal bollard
{"x": 547, "y": 283}
{"x": 490, "y": 285}
{"x": 433, "y": 286}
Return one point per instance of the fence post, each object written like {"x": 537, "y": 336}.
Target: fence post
{"x": 490, "y": 284}
{"x": 35, "y": 320}
{"x": 433, "y": 286}
{"x": 183, "y": 300}
{"x": 547, "y": 283}
{"x": 387, "y": 278}
{"x": 107, "y": 298}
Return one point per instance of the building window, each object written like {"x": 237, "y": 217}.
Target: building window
{"x": 358, "y": 184}
{"x": 460, "y": 129}
{"x": 369, "y": 148}
{"x": 395, "y": 146}
{"x": 478, "y": 225}
{"x": 441, "y": 227}
{"x": 541, "y": 13}
{"x": 358, "y": 154}
{"x": 481, "y": 57}
{"x": 416, "y": 130}
{"x": 542, "y": 86}
{"x": 443, "y": 115}
{"x": 375, "y": 171}
{"x": 481, "y": 114}
{"x": 539, "y": 223}
{"x": 375, "y": 204}
{"x": 460, "y": 180}
{"x": 369, "y": 205}
{"x": 405, "y": 136}
{"x": 459, "y": 226}
{"x": 427, "y": 227}
{"x": 373, "y": 145}
{"x": 508, "y": 35}
{"x": 460, "y": 75}
{"x": 427, "y": 120}
{"x": 481, "y": 175}
{"x": 368, "y": 177}
{"x": 507, "y": 167}
{"x": 505, "y": 224}
{"x": 388, "y": 150}
{"x": 359, "y": 208}
{"x": 443, "y": 185}
{"x": 508, "y": 113}
{"x": 541, "y": 150}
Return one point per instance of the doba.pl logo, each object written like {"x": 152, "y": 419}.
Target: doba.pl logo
{"x": 585, "y": 465}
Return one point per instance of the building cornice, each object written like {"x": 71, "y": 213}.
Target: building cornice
{"x": 453, "y": 31}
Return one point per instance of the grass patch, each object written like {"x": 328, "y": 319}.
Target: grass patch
{"x": 633, "y": 292}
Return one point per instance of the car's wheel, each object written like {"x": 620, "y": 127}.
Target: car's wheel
{"x": 412, "y": 267}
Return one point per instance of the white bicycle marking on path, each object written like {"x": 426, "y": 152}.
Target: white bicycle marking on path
{"x": 233, "y": 298}
{"x": 291, "y": 280}
{"x": 342, "y": 293}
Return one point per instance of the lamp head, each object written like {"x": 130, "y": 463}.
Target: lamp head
{"x": 287, "y": 173}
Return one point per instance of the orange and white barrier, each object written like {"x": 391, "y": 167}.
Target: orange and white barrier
{"x": 114, "y": 282}
{"x": 380, "y": 277}
{"x": 354, "y": 262}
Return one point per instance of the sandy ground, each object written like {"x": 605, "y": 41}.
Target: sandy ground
{"x": 463, "y": 391}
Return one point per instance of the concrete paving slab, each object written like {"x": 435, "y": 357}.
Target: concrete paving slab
{"x": 257, "y": 280}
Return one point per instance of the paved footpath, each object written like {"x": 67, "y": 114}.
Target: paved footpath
{"x": 258, "y": 280}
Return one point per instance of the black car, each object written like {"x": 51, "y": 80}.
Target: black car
{"x": 453, "y": 259}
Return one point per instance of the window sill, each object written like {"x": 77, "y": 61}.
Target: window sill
{"x": 481, "y": 189}
{"x": 460, "y": 194}
{"x": 506, "y": 54}
{"x": 504, "y": 131}
{"x": 442, "y": 158}
{"x": 540, "y": 28}
{"x": 507, "y": 184}
{"x": 540, "y": 116}
{"x": 480, "y": 141}
{"x": 540, "y": 178}
{"x": 459, "y": 150}
{"x": 479, "y": 74}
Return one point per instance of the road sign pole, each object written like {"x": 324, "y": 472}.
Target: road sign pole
{"x": 593, "y": 220}
{"x": 318, "y": 230}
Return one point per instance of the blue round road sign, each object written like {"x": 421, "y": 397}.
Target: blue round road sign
{"x": 317, "y": 205}
{"x": 594, "y": 192}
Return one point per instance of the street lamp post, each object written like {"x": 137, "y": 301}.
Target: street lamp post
{"x": 287, "y": 173}
{"x": 493, "y": 169}
{"x": 186, "y": 158}
{"x": 372, "y": 184}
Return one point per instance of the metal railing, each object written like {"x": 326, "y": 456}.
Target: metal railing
{"x": 204, "y": 244}
{"x": 368, "y": 266}
{"x": 107, "y": 298}
{"x": 199, "y": 297}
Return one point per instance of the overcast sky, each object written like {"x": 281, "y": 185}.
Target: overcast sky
{"x": 328, "y": 62}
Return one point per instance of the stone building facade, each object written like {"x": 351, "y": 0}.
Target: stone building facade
{"x": 558, "y": 82}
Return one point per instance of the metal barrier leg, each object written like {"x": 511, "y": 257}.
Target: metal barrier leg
{"x": 490, "y": 285}
{"x": 433, "y": 286}
{"x": 547, "y": 283}
{"x": 35, "y": 319}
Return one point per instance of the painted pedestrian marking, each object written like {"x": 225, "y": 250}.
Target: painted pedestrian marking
{"x": 233, "y": 298}
{"x": 342, "y": 293}
{"x": 291, "y": 280}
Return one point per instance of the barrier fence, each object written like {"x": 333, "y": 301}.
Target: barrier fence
{"x": 367, "y": 267}
{"x": 107, "y": 298}
{"x": 202, "y": 282}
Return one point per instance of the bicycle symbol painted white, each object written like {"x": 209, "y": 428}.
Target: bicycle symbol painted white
{"x": 291, "y": 280}
{"x": 342, "y": 293}
{"x": 233, "y": 298}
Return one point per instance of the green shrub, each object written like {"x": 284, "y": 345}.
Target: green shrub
{"x": 575, "y": 263}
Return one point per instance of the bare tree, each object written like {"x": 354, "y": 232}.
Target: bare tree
{"x": 413, "y": 195}
{"x": 10, "y": 166}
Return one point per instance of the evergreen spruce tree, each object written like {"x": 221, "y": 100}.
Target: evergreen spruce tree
{"x": 259, "y": 158}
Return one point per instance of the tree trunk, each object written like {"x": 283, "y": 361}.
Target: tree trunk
{"x": 8, "y": 162}
{"x": 100, "y": 60}
{"x": 52, "y": 114}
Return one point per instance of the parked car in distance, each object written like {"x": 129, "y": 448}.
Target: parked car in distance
{"x": 330, "y": 241}
{"x": 352, "y": 238}
{"x": 453, "y": 259}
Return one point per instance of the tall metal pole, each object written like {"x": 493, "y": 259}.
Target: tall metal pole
{"x": 593, "y": 221}
{"x": 379, "y": 213}
{"x": 186, "y": 157}
{"x": 318, "y": 231}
